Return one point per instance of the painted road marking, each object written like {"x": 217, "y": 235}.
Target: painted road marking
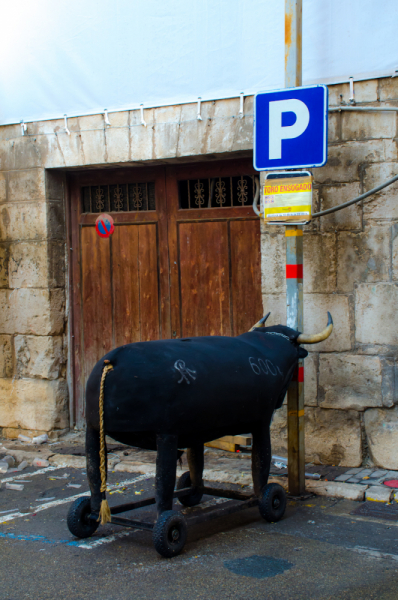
{"x": 39, "y": 472}
{"x": 373, "y": 553}
{"x": 54, "y": 503}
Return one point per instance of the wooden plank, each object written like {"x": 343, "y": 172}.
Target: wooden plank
{"x": 230, "y": 443}
{"x": 125, "y": 284}
{"x": 149, "y": 287}
{"x": 204, "y": 278}
{"x": 246, "y": 274}
{"x": 96, "y": 297}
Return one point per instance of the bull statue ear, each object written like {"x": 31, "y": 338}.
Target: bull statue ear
{"x": 261, "y": 322}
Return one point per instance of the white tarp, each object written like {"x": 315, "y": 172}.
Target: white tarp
{"x": 81, "y": 56}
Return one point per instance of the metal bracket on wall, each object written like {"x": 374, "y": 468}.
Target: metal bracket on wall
{"x": 66, "y": 125}
{"x": 23, "y": 127}
{"x": 142, "y": 115}
{"x": 198, "y": 115}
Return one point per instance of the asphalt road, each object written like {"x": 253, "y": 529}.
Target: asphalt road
{"x": 318, "y": 551}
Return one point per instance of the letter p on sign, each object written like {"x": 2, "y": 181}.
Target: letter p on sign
{"x": 290, "y": 128}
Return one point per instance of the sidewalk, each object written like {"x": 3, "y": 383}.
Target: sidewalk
{"x": 220, "y": 466}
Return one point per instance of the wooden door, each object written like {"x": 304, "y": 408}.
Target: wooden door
{"x": 184, "y": 259}
{"x": 214, "y": 248}
{"x": 120, "y": 285}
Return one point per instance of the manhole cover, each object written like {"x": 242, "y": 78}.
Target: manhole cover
{"x": 379, "y": 510}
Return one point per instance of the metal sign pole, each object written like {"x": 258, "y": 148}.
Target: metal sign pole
{"x": 294, "y": 270}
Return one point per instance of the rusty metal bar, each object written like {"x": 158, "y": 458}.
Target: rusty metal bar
{"x": 294, "y": 271}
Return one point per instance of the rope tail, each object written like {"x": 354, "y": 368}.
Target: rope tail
{"x": 105, "y": 511}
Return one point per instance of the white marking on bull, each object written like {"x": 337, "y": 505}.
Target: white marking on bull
{"x": 259, "y": 365}
{"x": 185, "y": 373}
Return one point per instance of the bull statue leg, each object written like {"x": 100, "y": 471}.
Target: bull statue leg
{"x": 261, "y": 457}
{"x": 79, "y": 521}
{"x": 93, "y": 467}
{"x": 195, "y": 456}
{"x": 170, "y": 530}
{"x": 194, "y": 477}
{"x": 272, "y": 497}
{"x": 166, "y": 465}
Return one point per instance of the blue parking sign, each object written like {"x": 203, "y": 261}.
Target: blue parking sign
{"x": 291, "y": 128}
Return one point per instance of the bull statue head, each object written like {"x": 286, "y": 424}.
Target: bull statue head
{"x": 303, "y": 338}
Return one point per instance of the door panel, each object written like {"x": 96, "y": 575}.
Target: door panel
{"x": 204, "y": 279}
{"x": 96, "y": 297}
{"x": 148, "y": 280}
{"x": 126, "y": 289}
{"x": 246, "y": 274}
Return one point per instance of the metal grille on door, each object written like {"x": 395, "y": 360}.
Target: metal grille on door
{"x": 123, "y": 197}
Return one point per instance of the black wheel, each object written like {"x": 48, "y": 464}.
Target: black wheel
{"x": 272, "y": 503}
{"x": 78, "y": 522}
{"x": 193, "y": 499}
{"x": 170, "y": 534}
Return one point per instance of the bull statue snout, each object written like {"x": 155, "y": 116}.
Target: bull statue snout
{"x": 304, "y": 338}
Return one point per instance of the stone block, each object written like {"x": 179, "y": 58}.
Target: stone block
{"x": 32, "y": 311}
{"x": 273, "y": 262}
{"x": 23, "y": 221}
{"x": 56, "y": 264}
{"x": 388, "y": 88}
{"x": 364, "y": 91}
{"x": 338, "y": 93}
{"x": 378, "y": 493}
{"x": 38, "y": 356}
{"x": 388, "y": 386}
{"x": 166, "y": 131}
{"x": 3, "y": 187}
{"x": 26, "y": 186}
{"x": 376, "y": 316}
{"x": 243, "y": 139}
{"x": 333, "y": 489}
{"x": 55, "y": 186}
{"x": 334, "y": 127}
{"x": 6, "y": 365}
{"x": 310, "y": 379}
{"x": 4, "y": 259}
{"x": 93, "y": 140}
{"x": 276, "y": 303}
{"x": 369, "y": 125}
{"x": 316, "y": 307}
{"x": 70, "y": 146}
{"x": 384, "y": 204}
{"x": 28, "y": 265}
{"x": 390, "y": 149}
{"x": 363, "y": 257}
{"x": 350, "y": 382}
{"x": 223, "y": 125}
{"x": 319, "y": 263}
{"x": 345, "y": 160}
{"x": 141, "y": 137}
{"x": 381, "y": 426}
{"x": 33, "y": 403}
{"x": 346, "y": 219}
{"x": 117, "y": 138}
{"x": 333, "y": 437}
{"x": 193, "y": 133}
{"x": 279, "y": 432}
{"x": 55, "y": 221}
{"x": 26, "y": 152}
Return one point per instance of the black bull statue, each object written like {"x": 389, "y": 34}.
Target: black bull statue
{"x": 170, "y": 395}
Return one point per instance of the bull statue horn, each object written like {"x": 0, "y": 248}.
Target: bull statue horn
{"x": 261, "y": 322}
{"x": 317, "y": 337}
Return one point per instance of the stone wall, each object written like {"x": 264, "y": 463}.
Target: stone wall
{"x": 351, "y": 262}
{"x": 350, "y": 269}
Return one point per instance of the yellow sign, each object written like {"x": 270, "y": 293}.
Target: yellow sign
{"x": 288, "y": 199}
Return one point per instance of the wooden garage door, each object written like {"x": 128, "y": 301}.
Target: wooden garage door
{"x": 184, "y": 259}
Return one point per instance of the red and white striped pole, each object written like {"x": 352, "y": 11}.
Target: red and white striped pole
{"x": 294, "y": 271}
